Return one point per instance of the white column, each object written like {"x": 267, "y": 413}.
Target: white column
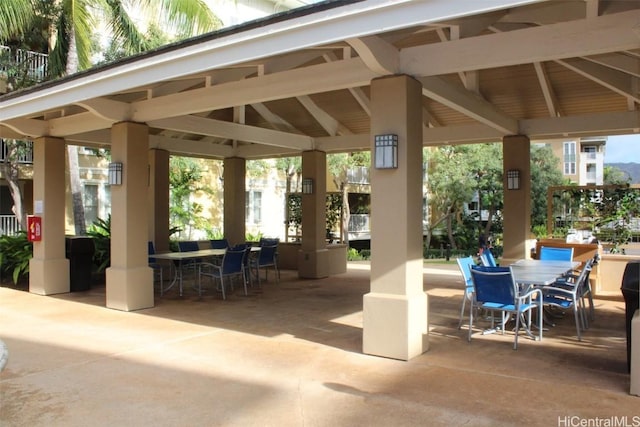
{"x": 313, "y": 257}
{"x": 516, "y": 154}
{"x": 235, "y": 200}
{"x": 395, "y": 310}
{"x": 158, "y": 209}
{"x": 49, "y": 268}
{"x": 129, "y": 279}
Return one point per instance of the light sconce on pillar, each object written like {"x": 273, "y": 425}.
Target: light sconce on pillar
{"x": 386, "y": 151}
{"x": 307, "y": 186}
{"x": 115, "y": 173}
{"x": 513, "y": 179}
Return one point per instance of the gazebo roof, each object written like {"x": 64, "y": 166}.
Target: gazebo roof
{"x": 300, "y": 80}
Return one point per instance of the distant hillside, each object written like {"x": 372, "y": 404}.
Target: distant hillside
{"x": 633, "y": 169}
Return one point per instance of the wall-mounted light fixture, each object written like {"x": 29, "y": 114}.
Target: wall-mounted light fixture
{"x": 115, "y": 173}
{"x": 307, "y": 186}
{"x": 513, "y": 179}
{"x": 386, "y": 151}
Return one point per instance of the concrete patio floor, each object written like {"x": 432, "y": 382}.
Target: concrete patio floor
{"x": 290, "y": 355}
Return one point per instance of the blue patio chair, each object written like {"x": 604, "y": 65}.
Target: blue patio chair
{"x": 487, "y": 259}
{"x": 464, "y": 264}
{"x": 496, "y": 290}
{"x": 190, "y": 264}
{"x": 246, "y": 266}
{"x": 548, "y": 253}
{"x": 267, "y": 257}
{"x": 231, "y": 266}
{"x": 219, "y": 244}
{"x": 568, "y": 293}
{"x": 155, "y": 265}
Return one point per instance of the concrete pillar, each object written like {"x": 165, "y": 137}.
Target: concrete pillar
{"x": 235, "y": 200}
{"x": 27, "y": 194}
{"x": 129, "y": 279}
{"x": 395, "y": 321}
{"x": 159, "y": 199}
{"x": 517, "y": 203}
{"x": 49, "y": 268}
{"x": 313, "y": 257}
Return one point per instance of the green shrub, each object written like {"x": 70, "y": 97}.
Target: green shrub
{"x": 100, "y": 231}
{"x": 354, "y": 255}
{"x": 15, "y": 253}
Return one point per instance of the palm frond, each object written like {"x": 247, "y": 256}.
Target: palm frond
{"x": 186, "y": 17}
{"x": 123, "y": 27}
{"x": 16, "y": 15}
{"x": 81, "y": 25}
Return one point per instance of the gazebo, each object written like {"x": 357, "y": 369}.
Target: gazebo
{"x": 337, "y": 76}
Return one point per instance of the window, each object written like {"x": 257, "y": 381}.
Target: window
{"x": 590, "y": 151}
{"x": 254, "y": 207}
{"x": 591, "y": 174}
{"x": 569, "y": 158}
{"x": 91, "y": 203}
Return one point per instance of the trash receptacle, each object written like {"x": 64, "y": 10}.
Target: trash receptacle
{"x": 80, "y": 250}
{"x": 630, "y": 289}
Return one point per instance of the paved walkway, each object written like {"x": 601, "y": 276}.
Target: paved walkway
{"x": 290, "y": 355}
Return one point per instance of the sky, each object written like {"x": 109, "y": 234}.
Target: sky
{"x": 622, "y": 149}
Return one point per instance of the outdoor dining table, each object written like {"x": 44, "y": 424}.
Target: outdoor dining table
{"x": 537, "y": 273}
{"x": 528, "y": 273}
{"x": 181, "y": 257}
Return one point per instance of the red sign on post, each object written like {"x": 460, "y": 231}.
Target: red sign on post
{"x": 34, "y": 228}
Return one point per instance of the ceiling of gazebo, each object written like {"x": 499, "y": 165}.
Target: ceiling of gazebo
{"x": 300, "y": 80}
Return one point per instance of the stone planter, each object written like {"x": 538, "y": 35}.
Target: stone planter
{"x": 611, "y": 269}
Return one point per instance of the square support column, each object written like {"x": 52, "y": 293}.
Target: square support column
{"x": 129, "y": 279}
{"x": 516, "y": 152}
{"x": 49, "y": 268}
{"x": 235, "y": 200}
{"x": 395, "y": 317}
{"x": 313, "y": 257}
{"x": 159, "y": 199}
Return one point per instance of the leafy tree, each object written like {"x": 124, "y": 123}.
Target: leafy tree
{"x": 450, "y": 183}
{"x": 292, "y": 167}
{"x": 455, "y": 173}
{"x": 615, "y": 176}
{"x": 10, "y": 168}
{"x": 294, "y": 212}
{"x": 68, "y": 25}
{"x": 485, "y": 163}
{"x": 185, "y": 175}
{"x": 338, "y": 165}
{"x": 15, "y": 18}
{"x": 545, "y": 172}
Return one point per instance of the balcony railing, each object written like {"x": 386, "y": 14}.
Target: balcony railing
{"x": 25, "y": 156}
{"x": 9, "y": 225}
{"x": 358, "y": 175}
{"x": 35, "y": 63}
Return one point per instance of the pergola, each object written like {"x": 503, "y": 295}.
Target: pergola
{"x": 330, "y": 78}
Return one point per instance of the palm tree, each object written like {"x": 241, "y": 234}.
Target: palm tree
{"x": 70, "y": 25}
{"x": 15, "y": 17}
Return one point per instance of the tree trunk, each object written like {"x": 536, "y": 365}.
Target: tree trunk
{"x": 72, "y": 152}
{"x": 76, "y": 191}
{"x": 346, "y": 215}
{"x": 452, "y": 241}
{"x": 427, "y": 243}
{"x": 11, "y": 174}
